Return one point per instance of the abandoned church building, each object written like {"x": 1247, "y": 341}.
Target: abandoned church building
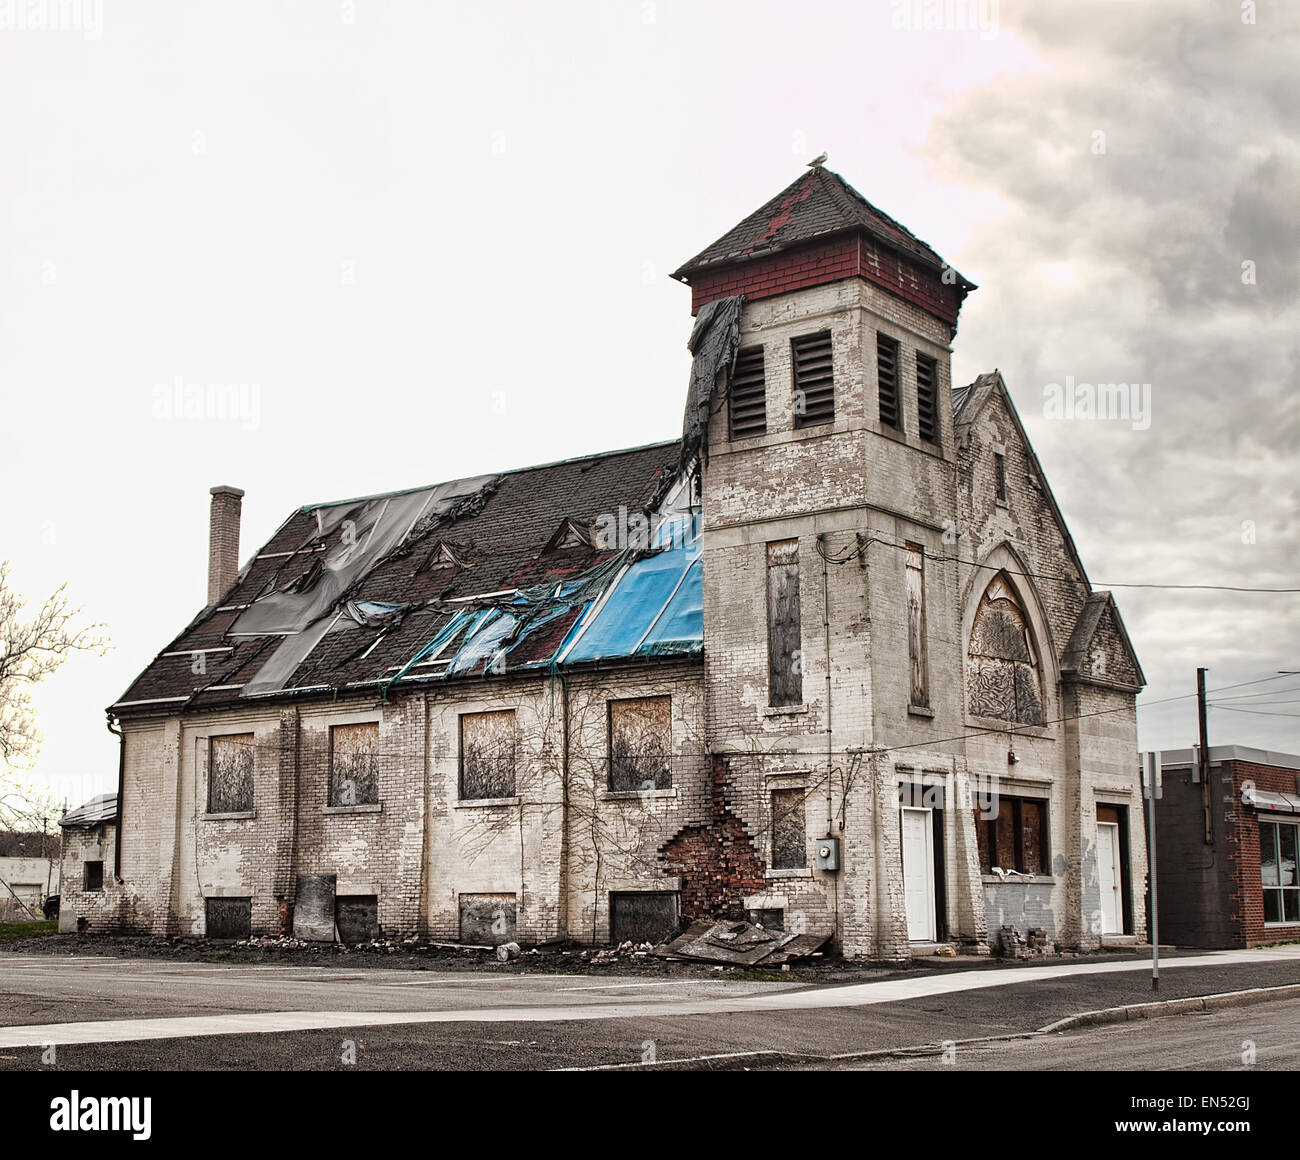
{"x": 829, "y": 662}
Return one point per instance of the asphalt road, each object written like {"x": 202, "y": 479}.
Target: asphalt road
{"x": 306, "y": 1016}
{"x": 1268, "y": 1035}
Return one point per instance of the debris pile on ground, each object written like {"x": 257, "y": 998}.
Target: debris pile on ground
{"x": 282, "y": 942}
{"x": 624, "y": 950}
{"x": 1032, "y": 945}
{"x": 740, "y": 944}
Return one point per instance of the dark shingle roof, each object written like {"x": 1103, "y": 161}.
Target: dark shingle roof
{"x": 500, "y": 537}
{"x": 818, "y": 204}
{"x": 93, "y": 813}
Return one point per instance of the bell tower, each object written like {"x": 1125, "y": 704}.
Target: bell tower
{"x": 827, "y": 483}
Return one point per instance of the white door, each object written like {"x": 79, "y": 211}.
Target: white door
{"x": 1112, "y": 909}
{"x": 918, "y": 874}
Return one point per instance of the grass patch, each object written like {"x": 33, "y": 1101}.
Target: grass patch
{"x": 16, "y": 930}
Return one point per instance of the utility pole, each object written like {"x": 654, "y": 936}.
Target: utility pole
{"x": 1204, "y": 756}
{"x": 1153, "y": 790}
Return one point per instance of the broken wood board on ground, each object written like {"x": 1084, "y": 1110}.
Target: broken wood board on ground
{"x": 739, "y": 944}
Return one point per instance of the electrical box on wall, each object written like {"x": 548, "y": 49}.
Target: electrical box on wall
{"x": 828, "y": 853}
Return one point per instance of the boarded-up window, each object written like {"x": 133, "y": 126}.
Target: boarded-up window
{"x": 784, "y": 659}
{"x": 640, "y": 744}
{"x": 487, "y": 919}
{"x": 354, "y": 764}
{"x": 747, "y": 396}
{"x": 916, "y": 647}
{"x": 230, "y": 917}
{"x": 94, "y": 875}
{"x": 488, "y": 746}
{"x": 641, "y": 916}
{"x": 313, "y": 910}
{"x": 1000, "y": 475}
{"x": 1001, "y": 663}
{"x": 357, "y": 917}
{"x": 789, "y": 833}
{"x": 887, "y": 381}
{"x": 230, "y": 774}
{"x": 927, "y": 399}
{"x": 814, "y": 381}
{"x": 1016, "y": 839}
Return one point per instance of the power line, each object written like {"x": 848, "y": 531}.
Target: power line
{"x": 1263, "y": 693}
{"x": 867, "y": 542}
{"x": 1253, "y": 712}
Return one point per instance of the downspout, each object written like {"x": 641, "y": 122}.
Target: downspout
{"x": 121, "y": 785}
{"x": 826, "y": 627}
{"x": 564, "y": 809}
{"x": 830, "y": 752}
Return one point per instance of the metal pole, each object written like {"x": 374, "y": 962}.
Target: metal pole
{"x": 1151, "y": 866}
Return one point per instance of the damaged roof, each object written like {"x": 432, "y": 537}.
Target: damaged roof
{"x": 566, "y": 563}
{"x": 818, "y": 204}
{"x": 94, "y": 813}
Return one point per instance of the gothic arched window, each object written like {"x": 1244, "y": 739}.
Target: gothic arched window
{"x": 1001, "y": 665}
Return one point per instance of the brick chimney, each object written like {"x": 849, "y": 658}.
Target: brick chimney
{"x": 223, "y": 541}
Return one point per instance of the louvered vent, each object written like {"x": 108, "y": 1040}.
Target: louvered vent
{"x": 747, "y": 398}
{"x": 927, "y": 407}
{"x": 887, "y": 377}
{"x": 814, "y": 384}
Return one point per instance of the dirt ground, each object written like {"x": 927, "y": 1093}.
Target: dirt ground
{"x": 414, "y": 955}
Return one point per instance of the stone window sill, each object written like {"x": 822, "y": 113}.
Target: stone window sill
{"x": 488, "y": 803}
{"x": 797, "y": 872}
{"x": 784, "y": 710}
{"x": 631, "y": 795}
{"x": 1022, "y": 879}
{"x": 920, "y": 710}
{"x": 369, "y": 808}
{"x": 233, "y": 816}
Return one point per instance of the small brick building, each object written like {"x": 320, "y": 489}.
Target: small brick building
{"x": 93, "y": 895}
{"x": 1227, "y": 848}
{"x": 831, "y": 660}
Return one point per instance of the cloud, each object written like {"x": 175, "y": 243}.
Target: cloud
{"x": 1155, "y": 155}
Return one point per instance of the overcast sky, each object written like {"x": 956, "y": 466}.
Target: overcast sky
{"x": 416, "y": 242}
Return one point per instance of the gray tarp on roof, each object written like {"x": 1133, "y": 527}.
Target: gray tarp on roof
{"x": 371, "y": 529}
{"x": 93, "y": 813}
{"x": 714, "y": 341}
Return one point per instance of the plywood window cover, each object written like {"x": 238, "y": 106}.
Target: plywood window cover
{"x": 1018, "y": 838}
{"x": 789, "y": 830}
{"x": 918, "y": 660}
{"x": 785, "y": 676}
{"x": 231, "y": 762}
{"x": 354, "y": 764}
{"x": 640, "y": 744}
{"x": 488, "y": 754}
{"x": 1002, "y": 680}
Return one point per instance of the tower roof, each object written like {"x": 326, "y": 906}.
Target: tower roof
{"x": 817, "y": 205}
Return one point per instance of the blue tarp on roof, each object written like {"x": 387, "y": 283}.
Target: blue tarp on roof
{"x": 653, "y": 606}
{"x": 656, "y": 606}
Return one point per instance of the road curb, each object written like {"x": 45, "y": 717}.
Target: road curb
{"x": 1166, "y": 1007}
{"x": 762, "y": 1060}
